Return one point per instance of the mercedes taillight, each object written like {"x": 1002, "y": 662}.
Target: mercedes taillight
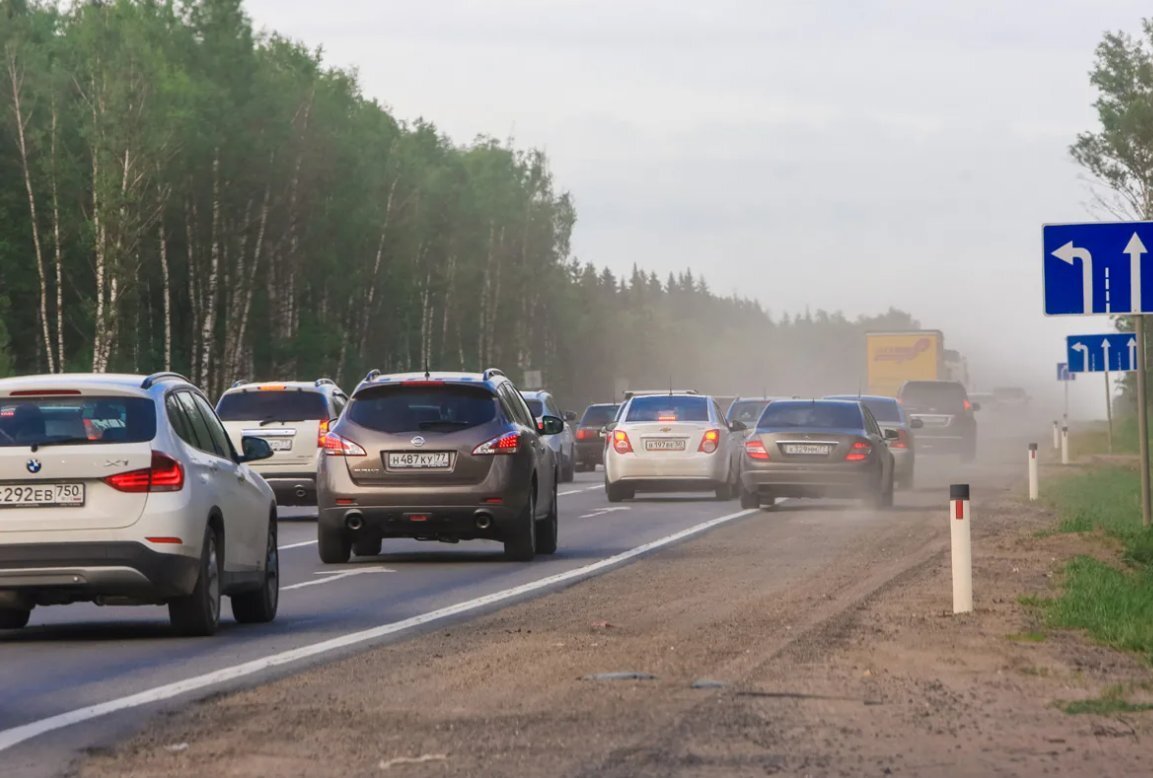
{"x": 859, "y": 452}
{"x": 755, "y": 449}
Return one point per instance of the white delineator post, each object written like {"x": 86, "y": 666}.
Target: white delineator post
{"x": 1056, "y": 436}
{"x": 1065, "y": 445}
{"x": 1033, "y": 485}
{"x": 962, "y": 548}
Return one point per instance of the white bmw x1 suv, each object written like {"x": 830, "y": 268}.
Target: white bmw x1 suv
{"x": 125, "y": 490}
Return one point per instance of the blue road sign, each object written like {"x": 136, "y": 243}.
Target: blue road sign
{"x": 1115, "y": 352}
{"x": 1063, "y": 373}
{"x": 1097, "y": 268}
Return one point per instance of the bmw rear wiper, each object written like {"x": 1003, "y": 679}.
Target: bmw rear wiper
{"x": 57, "y": 442}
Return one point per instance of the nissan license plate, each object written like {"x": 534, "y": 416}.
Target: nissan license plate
{"x": 424, "y": 460}
{"x": 806, "y": 449}
{"x": 279, "y": 444}
{"x": 42, "y": 496}
{"x": 664, "y": 444}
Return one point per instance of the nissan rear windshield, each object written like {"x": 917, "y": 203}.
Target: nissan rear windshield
{"x": 668, "y": 408}
{"x": 811, "y": 415}
{"x": 942, "y": 394}
{"x": 275, "y": 405}
{"x": 401, "y": 409}
{"x": 599, "y": 415}
{"x": 75, "y": 421}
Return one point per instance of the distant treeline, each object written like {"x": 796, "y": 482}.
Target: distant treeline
{"x": 177, "y": 192}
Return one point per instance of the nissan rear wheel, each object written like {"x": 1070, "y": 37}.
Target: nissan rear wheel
{"x": 259, "y": 605}
{"x": 520, "y": 538}
{"x": 333, "y": 544}
{"x": 367, "y": 544}
{"x": 548, "y": 528}
{"x": 749, "y": 500}
{"x": 198, "y": 614}
{"x": 14, "y": 618}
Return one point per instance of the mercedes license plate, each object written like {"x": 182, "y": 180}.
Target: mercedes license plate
{"x": 664, "y": 444}
{"x": 424, "y": 460}
{"x": 42, "y": 495}
{"x": 279, "y": 444}
{"x": 807, "y": 449}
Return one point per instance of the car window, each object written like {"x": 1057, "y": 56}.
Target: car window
{"x": 598, "y": 415}
{"x": 668, "y": 408}
{"x": 76, "y": 421}
{"x": 202, "y": 437}
{"x": 219, "y": 435}
{"x": 870, "y": 421}
{"x": 821, "y": 415}
{"x": 747, "y": 411}
{"x": 179, "y": 420}
{"x": 339, "y": 401}
{"x": 520, "y": 409}
{"x": 536, "y": 407}
{"x": 942, "y": 394}
{"x": 400, "y": 409}
{"x": 275, "y": 405}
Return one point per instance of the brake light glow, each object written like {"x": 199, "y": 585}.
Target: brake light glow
{"x": 755, "y": 449}
{"x": 322, "y": 430}
{"x": 166, "y": 539}
{"x": 422, "y": 382}
{"x": 582, "y": 434}
{"x": 859, "y": 452}
{"x": 967, "y": 405}
{"x": 508, "y": 443}
{"x": 165, "y": 475}
{"x": 337, "y": 446}
{"x": 270, "y": 388}
{"x": 667, "y": 416}
{"x": 902, "y": 440}
{"x": 621, "y": 442}
{"x": 45, "y": 392}
{"x": 710, "y": 442}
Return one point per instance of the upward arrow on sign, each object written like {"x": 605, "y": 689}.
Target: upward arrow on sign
{"x": 1135, "y": 249}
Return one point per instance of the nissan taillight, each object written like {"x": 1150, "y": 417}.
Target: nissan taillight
{"x": 621, "y": 442}
{"x": 164, "y": 475}
{"x": 709, "y": 442}
{"x": 755, "y": 449}
{"x": 859, "y": 452}
{"x": 339, "y": 446}
{"x": 508, "y": 443}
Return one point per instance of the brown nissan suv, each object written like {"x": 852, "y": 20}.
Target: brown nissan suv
{"x": 437, "y": 456}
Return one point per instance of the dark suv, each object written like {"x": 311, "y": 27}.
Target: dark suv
{"x": 590, "y": 442}
{"x": 438, "y": 456}
{"x": 947, "y": 415}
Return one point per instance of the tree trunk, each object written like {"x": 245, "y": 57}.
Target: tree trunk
{"x": 166, "y": 292}
{"x": 208, "y": 324}
{"x": 58, "y": 244}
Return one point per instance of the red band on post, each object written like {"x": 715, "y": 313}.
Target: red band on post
{"x": 959, "y": 510}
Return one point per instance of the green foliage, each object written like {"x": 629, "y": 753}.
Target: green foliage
{"x": 1106, "y": 499}
{"x": 1111, "y": 702}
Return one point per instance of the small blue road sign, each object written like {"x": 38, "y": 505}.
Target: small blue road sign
{"x": 1115, "y": 352}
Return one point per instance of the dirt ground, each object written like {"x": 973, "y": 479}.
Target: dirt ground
{"x": 858, "y": 670}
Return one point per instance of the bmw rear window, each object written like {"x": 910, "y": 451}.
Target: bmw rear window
{"x": 400, "y": 409}
{"x": 75, "y": 421}
{"x": 816, "y": 415}
{"x": 275, "y": 405}
{"x": 668, "y": 408}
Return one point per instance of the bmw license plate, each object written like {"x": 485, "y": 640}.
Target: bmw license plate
{"x": 806, "y": 449}
{"x": 279, "y": 444}
{"x": 42, "y": 496}
{"x": 424, "y": 460}
{"x": 664, "y": 444}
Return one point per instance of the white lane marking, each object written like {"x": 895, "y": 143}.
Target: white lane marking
{"x": 579, "y": 491}
{"x": 604, "y": 511}
{"x": 16, "y": 735}
{"x": 336, "y": 575}
{"x": 296, "y": 545}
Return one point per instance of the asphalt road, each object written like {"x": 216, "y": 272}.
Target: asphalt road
{"x": 72, "y": 657}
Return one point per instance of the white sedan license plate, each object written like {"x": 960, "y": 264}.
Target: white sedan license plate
{"x": 664, "y": 444}
{"x": 432, "y": 460}
{"x": 807, "y": 449}
{"x": 42, "y": 495}
{"x": 279, "y": 444}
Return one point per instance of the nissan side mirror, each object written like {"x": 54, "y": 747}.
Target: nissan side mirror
{"x": 976, "y": 407}
{"x": 551, "y": 425}
{"x": 892, "y": 434}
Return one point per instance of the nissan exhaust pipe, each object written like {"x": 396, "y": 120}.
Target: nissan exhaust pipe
{"x": 354, "y": 520}
{"x": 483, "y": 520}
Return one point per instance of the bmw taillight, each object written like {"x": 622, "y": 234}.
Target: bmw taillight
{"x": 508, "y": 443}
{"x": 755, "y": 449}
{"x": 859, "y": 452}
{"x": 621, "y": 442}
{"x": 339, "y": 446}
{"x": 165, "y": 475}
{"x": 322, "y": 431}
{"x": 709, "y": 442}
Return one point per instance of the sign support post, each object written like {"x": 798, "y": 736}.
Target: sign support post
{"x": 1142, "y": 416}
{"x": 1109, "y": 410}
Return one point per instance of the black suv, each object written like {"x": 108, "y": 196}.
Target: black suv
{"x": 438, "y": 456}
{"x": 947, "y": 415}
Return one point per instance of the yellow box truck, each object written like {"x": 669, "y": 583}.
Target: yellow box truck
{"x": 896, "y": 357}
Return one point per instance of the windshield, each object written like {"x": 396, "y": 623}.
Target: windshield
{"x": 38, "y": 421}
{"x": 398, "y": 409}
{"x": 747, "y": 411}
{"x": 599, "y": 415}
{"x": 668, "y": 408}
{"x": 817, "y": 415}
{"x": 535, "y": 406}
{"x": 882, "y": 408}
{"x": 272, "y": 406}
{"x": 938, "y": 394}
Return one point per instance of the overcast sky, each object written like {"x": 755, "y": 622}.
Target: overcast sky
{"x": 845, "y": 154}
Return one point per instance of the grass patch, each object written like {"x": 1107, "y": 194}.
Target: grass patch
{"x": 1111, "y": 702}
{"x": 1032, "y": 636}
{"x": 1113, "y": 603}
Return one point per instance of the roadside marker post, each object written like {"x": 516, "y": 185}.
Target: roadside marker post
{"x": 1034, "y": 487}
{"x": 962, "y": 549}
{"x": 1065, "y": 444}
{"x": 1056, "y": 435}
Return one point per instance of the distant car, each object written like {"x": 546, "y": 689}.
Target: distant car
{"x": 293, "y": 416}
{"x": 125, "y": 490}
{"x": 438, "y": 456}
{"x": 590, "y": 444}
{"x": 947, "y": 413}
{"x": 667, "y": 443}
{"x": 1010, "y": 397}
{"x": 563, "y": 445}
{"x": 891, "y": 416}
{"x": 984, "y": 400}
{"x": 817, "y": 448}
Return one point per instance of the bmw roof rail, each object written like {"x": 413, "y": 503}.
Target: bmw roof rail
{"x": 155, "y": 378}
{"x": 239, "y": 382}
{"x": 493, "y": 371}
{"x": 325, "y": 382}
{"x": 372, "y": 376}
